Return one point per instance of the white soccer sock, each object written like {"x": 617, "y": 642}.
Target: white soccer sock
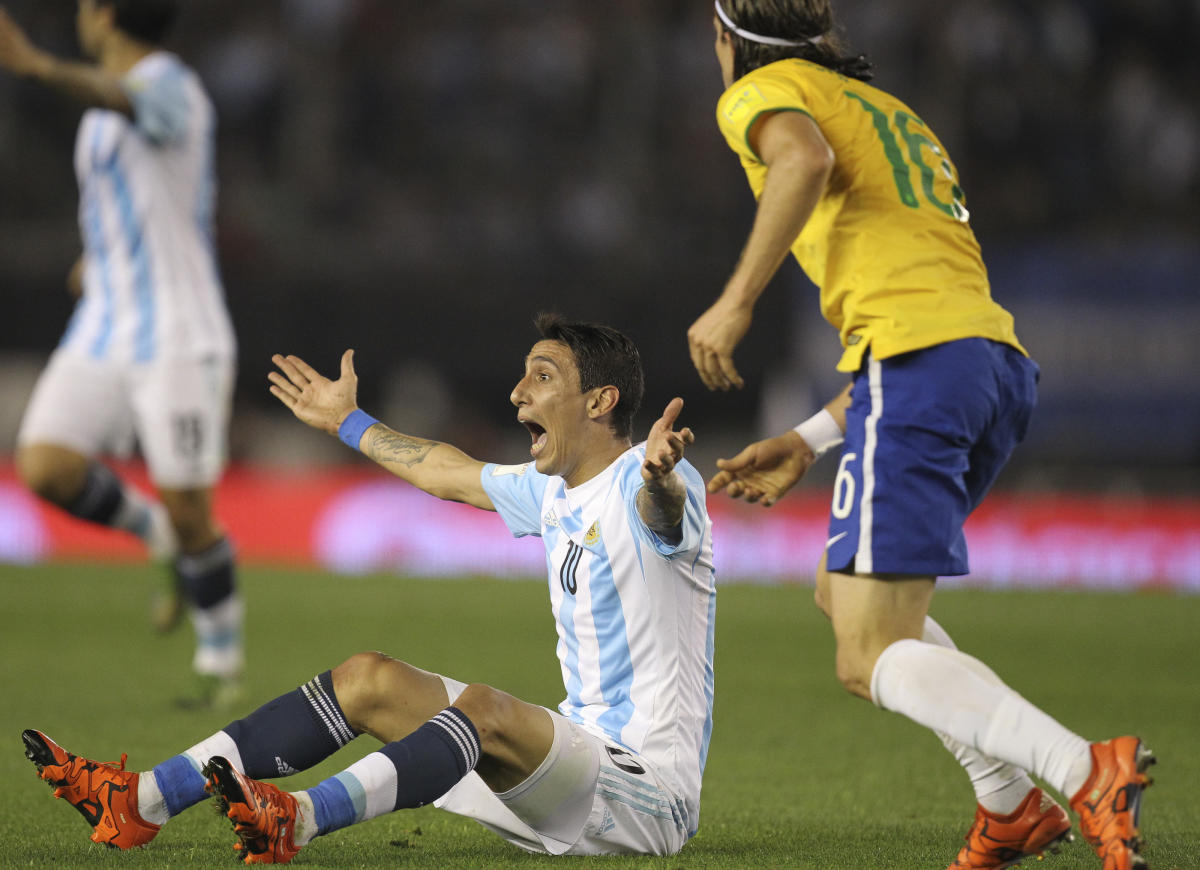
{"x": 219, "y": 638}
{"x": 999, "y": 787}
{"x": 951, "y": 692}
{"x": 306, "y": 825}
{"x": 133, "y": 513}
{"x": 181, "y": 779}
{"x": 151, "y": 805}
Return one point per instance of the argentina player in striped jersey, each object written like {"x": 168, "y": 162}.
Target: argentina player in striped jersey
{"x": 616, "y": 770}
{"x": 149, "y": 352}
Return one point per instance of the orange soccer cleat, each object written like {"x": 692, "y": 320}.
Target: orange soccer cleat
{"x": 104, "y": 794}
{"x": 263, "y": 816}
{"x": 1110, "y": 801}
{"x": 1037, "y": 826}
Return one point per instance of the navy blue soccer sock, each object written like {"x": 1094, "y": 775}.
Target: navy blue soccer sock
{"x": 410, "y": 772}
{"x": 100, "y": 497}
{"x": 293, "y": 732}
{"x": 207, "y": 577}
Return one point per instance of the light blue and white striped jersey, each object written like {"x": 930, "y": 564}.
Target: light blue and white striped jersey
{"x": 635, "y": 614}
{"x": 147, "y": 193}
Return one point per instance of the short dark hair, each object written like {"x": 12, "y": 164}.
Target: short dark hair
{"x": 790, "y": 19}
{"x": 603, "y": 356}
{"x": 147, "y": 20}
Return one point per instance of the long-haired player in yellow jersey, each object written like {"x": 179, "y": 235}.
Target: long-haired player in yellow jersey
{"x": 852, "y": 182}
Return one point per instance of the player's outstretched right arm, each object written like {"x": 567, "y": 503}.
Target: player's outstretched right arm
{"x": 767, "y": 469}
{"x": 84, "y": 82}
{"x": 439, "y": 469}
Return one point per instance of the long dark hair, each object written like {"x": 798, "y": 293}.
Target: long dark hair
{"x": 147, "y": 20}
{"x": 603, "y": 356}
{"x": 790, "y": 19}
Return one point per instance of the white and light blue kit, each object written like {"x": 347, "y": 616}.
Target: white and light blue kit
{"x": 150, "y": 349}
{"x": 635, "y": 616}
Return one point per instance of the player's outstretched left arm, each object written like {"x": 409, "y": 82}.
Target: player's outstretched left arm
{"x": 84, "y": 82}
{"x": 437, "y": 468}
{"x": 662, "y": 498}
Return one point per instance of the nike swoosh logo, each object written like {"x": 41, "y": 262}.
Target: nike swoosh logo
{"x": 835, "y": 539}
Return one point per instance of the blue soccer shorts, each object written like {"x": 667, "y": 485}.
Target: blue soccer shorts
{"x": 927, "y": 433}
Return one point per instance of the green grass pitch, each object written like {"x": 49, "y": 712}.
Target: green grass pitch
{"x": 799, "y": 775}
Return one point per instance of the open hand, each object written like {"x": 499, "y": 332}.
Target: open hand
{"x": 765, "y": 470}
{"x": 665, "y": 446}
{"x": 312, "y": 397}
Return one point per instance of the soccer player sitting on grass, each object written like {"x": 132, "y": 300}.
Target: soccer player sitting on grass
{"x": 628, "y": 551}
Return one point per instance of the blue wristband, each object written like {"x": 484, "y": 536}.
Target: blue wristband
{"x": 352, "y": 428}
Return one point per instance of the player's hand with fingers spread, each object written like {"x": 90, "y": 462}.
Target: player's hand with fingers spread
{"x": 312, "y": 397}
{"x": 712, "y": 340}
{"x": 665, "y": 445}
{"x": 765, "y": 470}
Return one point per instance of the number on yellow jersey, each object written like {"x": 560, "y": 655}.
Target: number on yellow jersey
{"x": 916, "y": 142}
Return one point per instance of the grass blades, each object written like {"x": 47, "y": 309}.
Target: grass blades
{"x": 799, "y": 774}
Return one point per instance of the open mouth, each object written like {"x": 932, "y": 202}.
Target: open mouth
{"x": 538, "y": 433}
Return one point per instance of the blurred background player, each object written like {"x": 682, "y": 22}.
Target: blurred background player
{"x": 853, "y": 183}
{"x": 149, "y": 351}
{"x": 628, "y": 550}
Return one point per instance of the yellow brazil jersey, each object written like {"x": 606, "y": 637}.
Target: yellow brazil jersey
{"x": 888, "y": 243}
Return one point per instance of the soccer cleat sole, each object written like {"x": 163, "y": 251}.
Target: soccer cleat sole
{"x": 222, "y": 784}
{"x": 1144, "y": 759}
{"x": 1054, "y": 847}
{"x": 36, "y": 749}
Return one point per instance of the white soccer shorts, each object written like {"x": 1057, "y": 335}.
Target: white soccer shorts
{"x": 177, "y": 409}
{"x": 589, "y": 797}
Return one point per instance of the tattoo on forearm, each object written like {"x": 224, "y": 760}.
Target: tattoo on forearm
{"x": 661, "y": 506}
{"x": 385, "y": 445}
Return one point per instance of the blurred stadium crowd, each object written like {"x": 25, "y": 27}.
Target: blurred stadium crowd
{"x": 416, "y": 179}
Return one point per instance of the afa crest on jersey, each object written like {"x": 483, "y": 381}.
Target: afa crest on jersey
{"x": 593, "y": 535}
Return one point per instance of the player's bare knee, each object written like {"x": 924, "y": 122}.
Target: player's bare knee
{"x": 490, "y": 711}
{"x": 361, "y": 682}
{"x": 47, "y": 477}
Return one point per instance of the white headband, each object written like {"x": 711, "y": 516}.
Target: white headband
{"x": 765, "y": 40}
